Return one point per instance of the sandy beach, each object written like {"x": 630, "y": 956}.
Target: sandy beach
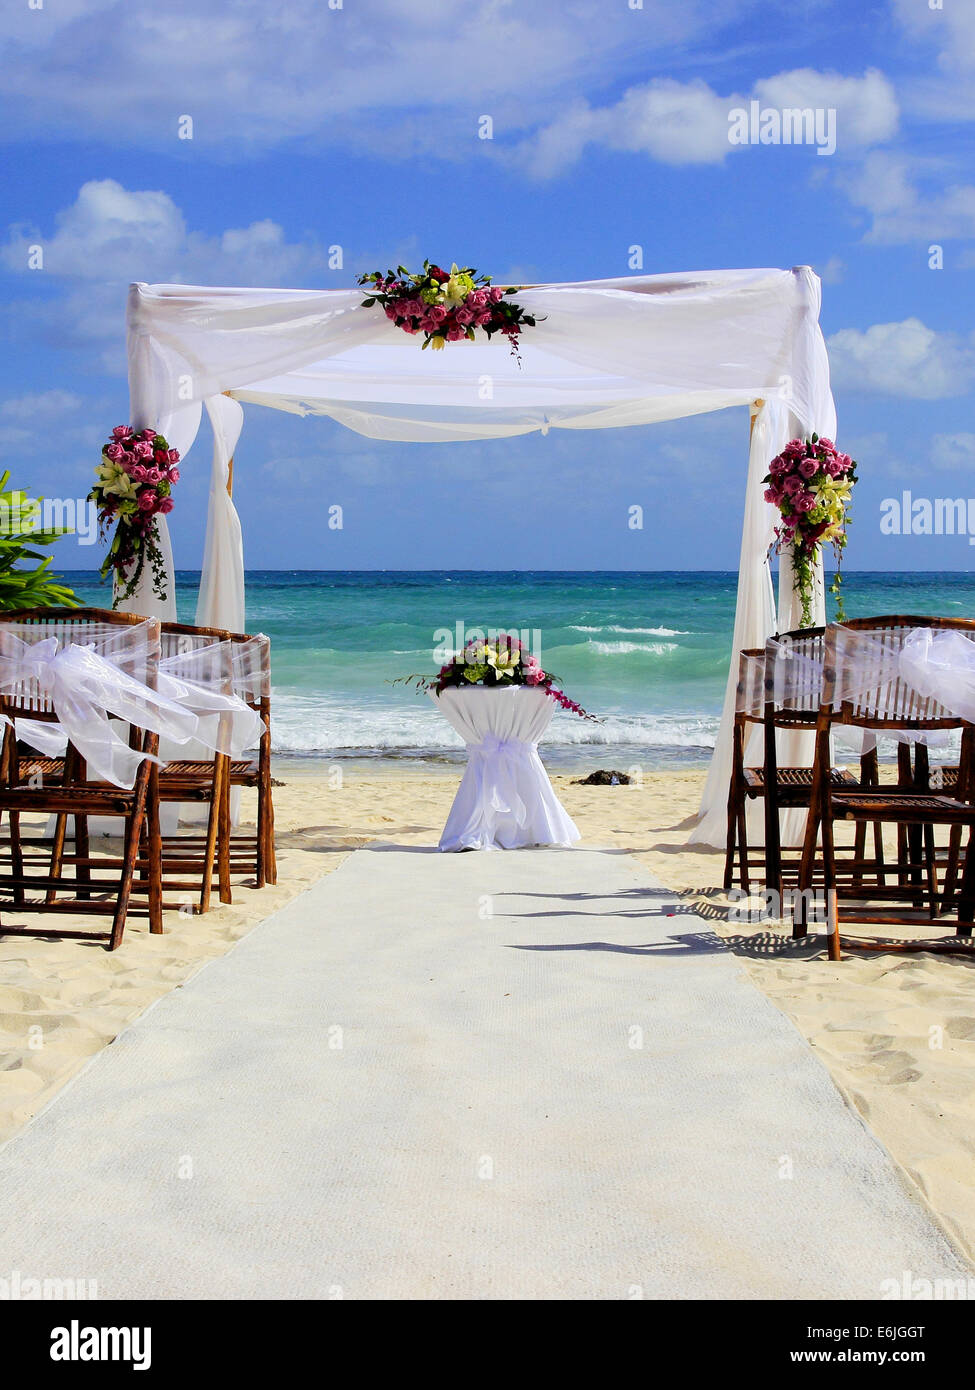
{"x": 895, "y": 1032}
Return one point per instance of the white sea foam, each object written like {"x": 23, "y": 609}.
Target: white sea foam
{"x": 634, "y": 631}
{"x": 319, "y": 725}
{"x": 626, "y": 648}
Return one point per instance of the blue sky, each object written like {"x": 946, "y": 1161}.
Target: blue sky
{"x": 358, "y": 126}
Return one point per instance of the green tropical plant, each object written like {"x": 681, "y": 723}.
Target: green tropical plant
{"x": 20, "y": 535}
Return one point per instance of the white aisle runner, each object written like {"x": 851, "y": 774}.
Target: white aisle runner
{"x": 387, "y": 1091}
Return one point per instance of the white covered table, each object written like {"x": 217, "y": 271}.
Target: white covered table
{"x": 505, "y": 800}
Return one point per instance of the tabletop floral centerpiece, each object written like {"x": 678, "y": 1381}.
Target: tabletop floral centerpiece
{"x": 134, "y": 483}
{"x": 503, "y": 661}
{"x": 446, "y": 305}
{"x": 811, "y": 483}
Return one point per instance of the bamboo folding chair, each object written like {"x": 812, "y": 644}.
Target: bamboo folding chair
{"x": 881, "y": 703}
{"x": 190, "y": 862}
{"x": 744, "y": 786}
{"x": 793, "y": 665}
{"x": 68, "y": 791}
{"x": 203, "y": 778}
{"x": 251, "y": 656}
{"x": 188, "y": 865}
{"x": 252, "y": 684}
{"x": 763, "y": 698}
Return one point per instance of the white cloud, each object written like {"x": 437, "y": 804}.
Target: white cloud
{"x": 875, "y": 453}
{"x": 866, "y": 107}
{"x": 902, "y": 359}
{"x": 112, "y": 233}
{"x": 833, "y": 271}
{"x": 40, "y": 408}
{"x": 951, "y": 451}
{"x": 253, "y": 74}
{"x": 950, "y": 33}
{"x": 688, "y": 122}
{"x": 908, "y": 199}
{"x": 21, "y": 417}
{"x": 110, "y": 236}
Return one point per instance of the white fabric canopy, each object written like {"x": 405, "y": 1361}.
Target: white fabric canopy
{"x": 605, "y": 353}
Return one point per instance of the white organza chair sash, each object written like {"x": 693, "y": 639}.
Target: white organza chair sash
{"x": 198, "y": 674}
{"x": 902, "y": 676}
{"x": 750, "y": 693}
{"x": 794, "y": 674}
{"x": 86, "y": 674}
{"x": 789, "y": 672}
{"x": 940, "y": 665}
{"x": 252, "y": 668}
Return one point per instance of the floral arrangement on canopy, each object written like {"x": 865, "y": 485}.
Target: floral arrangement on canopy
{"x": 134, "y": 483}
{"x": 502, "y": 661}
{"x": 811, "y": 483}
{"x": 446, "y": 306}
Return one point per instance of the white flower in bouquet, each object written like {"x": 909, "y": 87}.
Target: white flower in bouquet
{"x": 504, "y": 660}
{"x": 123, "y": 486}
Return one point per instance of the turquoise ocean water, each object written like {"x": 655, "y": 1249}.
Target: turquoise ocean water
{"x": 646, "y": 652}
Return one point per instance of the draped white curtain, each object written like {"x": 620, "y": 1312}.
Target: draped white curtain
{"x": 221, "y": 598}
{"x": 605, "y": 353}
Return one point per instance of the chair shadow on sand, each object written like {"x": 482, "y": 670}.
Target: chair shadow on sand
{"x": 663, "y": 904}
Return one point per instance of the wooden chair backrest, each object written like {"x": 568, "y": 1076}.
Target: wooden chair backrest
{"x": 252, "y": 681}
{"x": 749, "y": 698}
{"x": 794, "y": 677}
{"x": 890, "y": 702}
{"x": 70, "y": 625}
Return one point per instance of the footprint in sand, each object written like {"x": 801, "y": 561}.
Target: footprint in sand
{"x": 960, "y": 1027}
{"x": 896, "y": 1068}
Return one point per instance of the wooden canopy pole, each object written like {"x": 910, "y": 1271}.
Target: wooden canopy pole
{"x": 753, "y": 410}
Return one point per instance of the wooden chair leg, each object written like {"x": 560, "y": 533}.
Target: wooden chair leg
{"x": 268, "y": 870}
{"x": 773, "y": 829}
{"x": 153, "y": 839}
{"x": 732, "y": 840}
{"x": 71, "y": 767}
{"x": 260, "y": 864}
{"x": 130, "y": 855}
{"x": 773, "y": 850}
{"x": 950, "y": 887}
{"x": 878, "y": 851}
{"x": 915, "y": 858}
{"x": 82, "y": 846}
{"x": 905, "y": 781}
{"x": 833, "y": 926}
{"x": 57, "y": 854}
{"x": 223, "y": 833}
{"x": 82, "y": 843}
{"x": 932, "y": 871}
{"x": 966, "y": 896}
{"x": 870, "y": 777}
{"x": 210, "y": 843}
{"x": 270, "y": 853}
{"x": 744, "y": 872}
{"x": 800, "y": 921}
{"x": 816, "y": 822}
{"x": 800, "y": 915}
{"x": 903, "y": 856}
{"x": 16, "y": 858}
{"x": 859, "y": 852}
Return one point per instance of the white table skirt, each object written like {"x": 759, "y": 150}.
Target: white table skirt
{"x": 505, "y": 800}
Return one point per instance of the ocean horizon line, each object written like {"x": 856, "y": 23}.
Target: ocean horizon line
{"x": 726, "y": 573}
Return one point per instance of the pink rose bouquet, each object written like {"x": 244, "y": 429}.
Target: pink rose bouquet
{"x": 811, "y": 483}
{"x": 446, "y": 306}
{"x": 133, "y": 485}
